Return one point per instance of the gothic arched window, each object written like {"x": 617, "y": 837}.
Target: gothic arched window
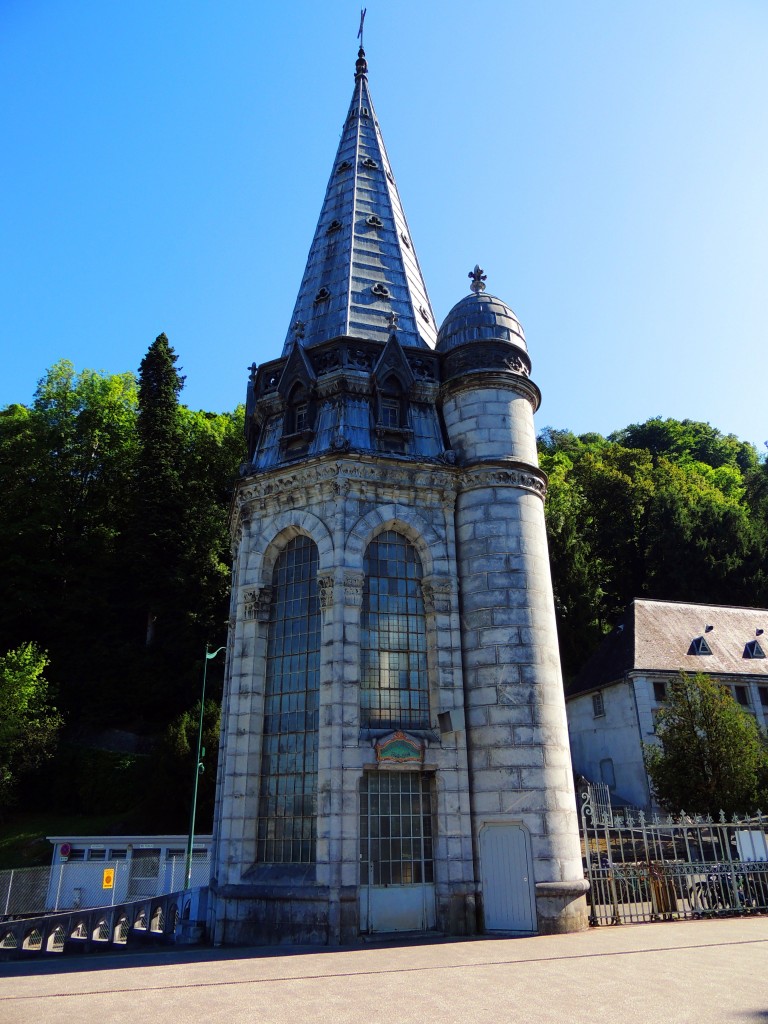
{"x": 288, "y": 791}
{"x": 394, "y": 690}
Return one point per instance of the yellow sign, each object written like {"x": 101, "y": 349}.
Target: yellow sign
{"x": 108, "y": 881}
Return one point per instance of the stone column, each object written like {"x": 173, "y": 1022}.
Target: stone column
{"x": 520, "y": 768}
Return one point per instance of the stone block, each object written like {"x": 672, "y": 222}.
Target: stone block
{"x": 516, "y": 757}
{"x": 514, "y": 715}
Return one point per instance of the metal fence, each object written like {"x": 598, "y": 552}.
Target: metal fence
{"x": 83, "y": 884}
{"x": 681, "y": 867}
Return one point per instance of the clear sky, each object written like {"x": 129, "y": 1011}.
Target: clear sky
{"x": 606, "y": 162}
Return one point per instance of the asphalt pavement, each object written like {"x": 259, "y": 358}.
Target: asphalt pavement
{"x": 688, "y": 971}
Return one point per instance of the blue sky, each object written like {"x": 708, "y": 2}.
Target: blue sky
{"x": 605, "y": 162}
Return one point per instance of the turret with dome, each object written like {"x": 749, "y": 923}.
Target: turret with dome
{"x": 394, "y": 753}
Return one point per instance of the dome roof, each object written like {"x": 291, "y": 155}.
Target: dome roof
{"x": 480, "y": 317}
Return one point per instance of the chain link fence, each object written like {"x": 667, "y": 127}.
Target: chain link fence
{"x": 27, "y": 892}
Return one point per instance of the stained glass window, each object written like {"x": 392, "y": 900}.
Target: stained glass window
{"x": 287, "y": 794}
{"x": 394, "y": 691}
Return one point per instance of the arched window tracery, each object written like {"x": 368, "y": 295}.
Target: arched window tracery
{"x": 286, "y": 827}
{"x": 394, "y": 689}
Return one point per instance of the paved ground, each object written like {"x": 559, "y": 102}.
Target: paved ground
{"x": 697, "y": 971}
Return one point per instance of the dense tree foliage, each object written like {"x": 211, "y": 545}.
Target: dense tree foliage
{"x": 29, "y": 722}
{"x": 710, "y": 755}
{"x": 666, "y": 509}
{"x": 114, "y": 552}
{"x": 113, "y": 515}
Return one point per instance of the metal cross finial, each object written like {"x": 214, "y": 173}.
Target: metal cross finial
{"x": 298, "y": 329}
{"x": 478, "y": 279}
{"x": 392, "y": 319}
{"x": 362, "y": 22}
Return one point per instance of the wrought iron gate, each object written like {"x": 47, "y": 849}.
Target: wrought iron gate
{"x": 642, "y": 869}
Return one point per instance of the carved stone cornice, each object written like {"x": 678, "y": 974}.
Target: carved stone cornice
{"x": 332, "y": 476}
{"x": 492, "y": 378}
{"x": 485, "y": 355}
{"x": 504, "y": 474}
{"x": 344, "y": 382}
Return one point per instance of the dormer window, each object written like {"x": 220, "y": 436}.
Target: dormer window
{"x": 392, "y": 412}
{"x": 699, "y": 646}
{"x": 752, "y": 649}
{"x": 298, "y": 414}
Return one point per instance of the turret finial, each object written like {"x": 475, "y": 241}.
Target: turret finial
{"x": 392, "y": 319}
{"x": 478, "y": 279}
{"x": 361, "y": 65}
{"x": 298, "y": 329}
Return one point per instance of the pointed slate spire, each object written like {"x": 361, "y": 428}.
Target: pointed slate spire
{"x": 362, "y": 266}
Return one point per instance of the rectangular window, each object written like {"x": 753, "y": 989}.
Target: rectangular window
{"x": 97, "y": 855}
{"x": 396, "y": 828}
{"x": 598, "y": 708}
{"x": 390, "y": 412}
{"x": 741, "y": 693}
{"x": 659, "y": 692}
{"x": 764, "y": 696}
{"x": 300, "y": 417}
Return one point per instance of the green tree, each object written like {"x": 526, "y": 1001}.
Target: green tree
{"x": 170, "y": 792}
{"x": 710, "y": 755}
{"x": 158, "y": 497}
{"x": 29, "y": 723}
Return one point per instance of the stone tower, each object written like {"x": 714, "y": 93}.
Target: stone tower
{"x": 394, "y": 752}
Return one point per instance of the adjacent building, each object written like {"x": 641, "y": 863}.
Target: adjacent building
{"x": 394, "y": 749}
{"x": 613, "y": 702}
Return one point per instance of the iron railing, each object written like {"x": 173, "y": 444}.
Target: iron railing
{"x": 649, "y": 869}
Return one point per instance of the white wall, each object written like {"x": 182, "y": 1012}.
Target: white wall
{"x": 614, "y": 737}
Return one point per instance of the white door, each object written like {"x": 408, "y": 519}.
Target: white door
{"x": 506, "y": 871}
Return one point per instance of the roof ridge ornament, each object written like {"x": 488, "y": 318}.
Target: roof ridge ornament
{"x": 478, "y": 277}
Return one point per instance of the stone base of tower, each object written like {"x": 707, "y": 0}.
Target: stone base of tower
{"x": 291, "y": 915}
{"x": 250, "y": 916}
{"x": 562, "y": 907}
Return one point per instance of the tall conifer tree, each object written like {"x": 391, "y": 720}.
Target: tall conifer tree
{"x": 159, "y": 488}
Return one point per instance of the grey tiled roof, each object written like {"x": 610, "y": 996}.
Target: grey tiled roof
{"x": 362, "y": 265}
{"x": 480, "y": 317}
{"x": 656, "y": 636}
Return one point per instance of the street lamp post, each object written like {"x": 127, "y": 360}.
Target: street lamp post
{"x": 199, "y": 769}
